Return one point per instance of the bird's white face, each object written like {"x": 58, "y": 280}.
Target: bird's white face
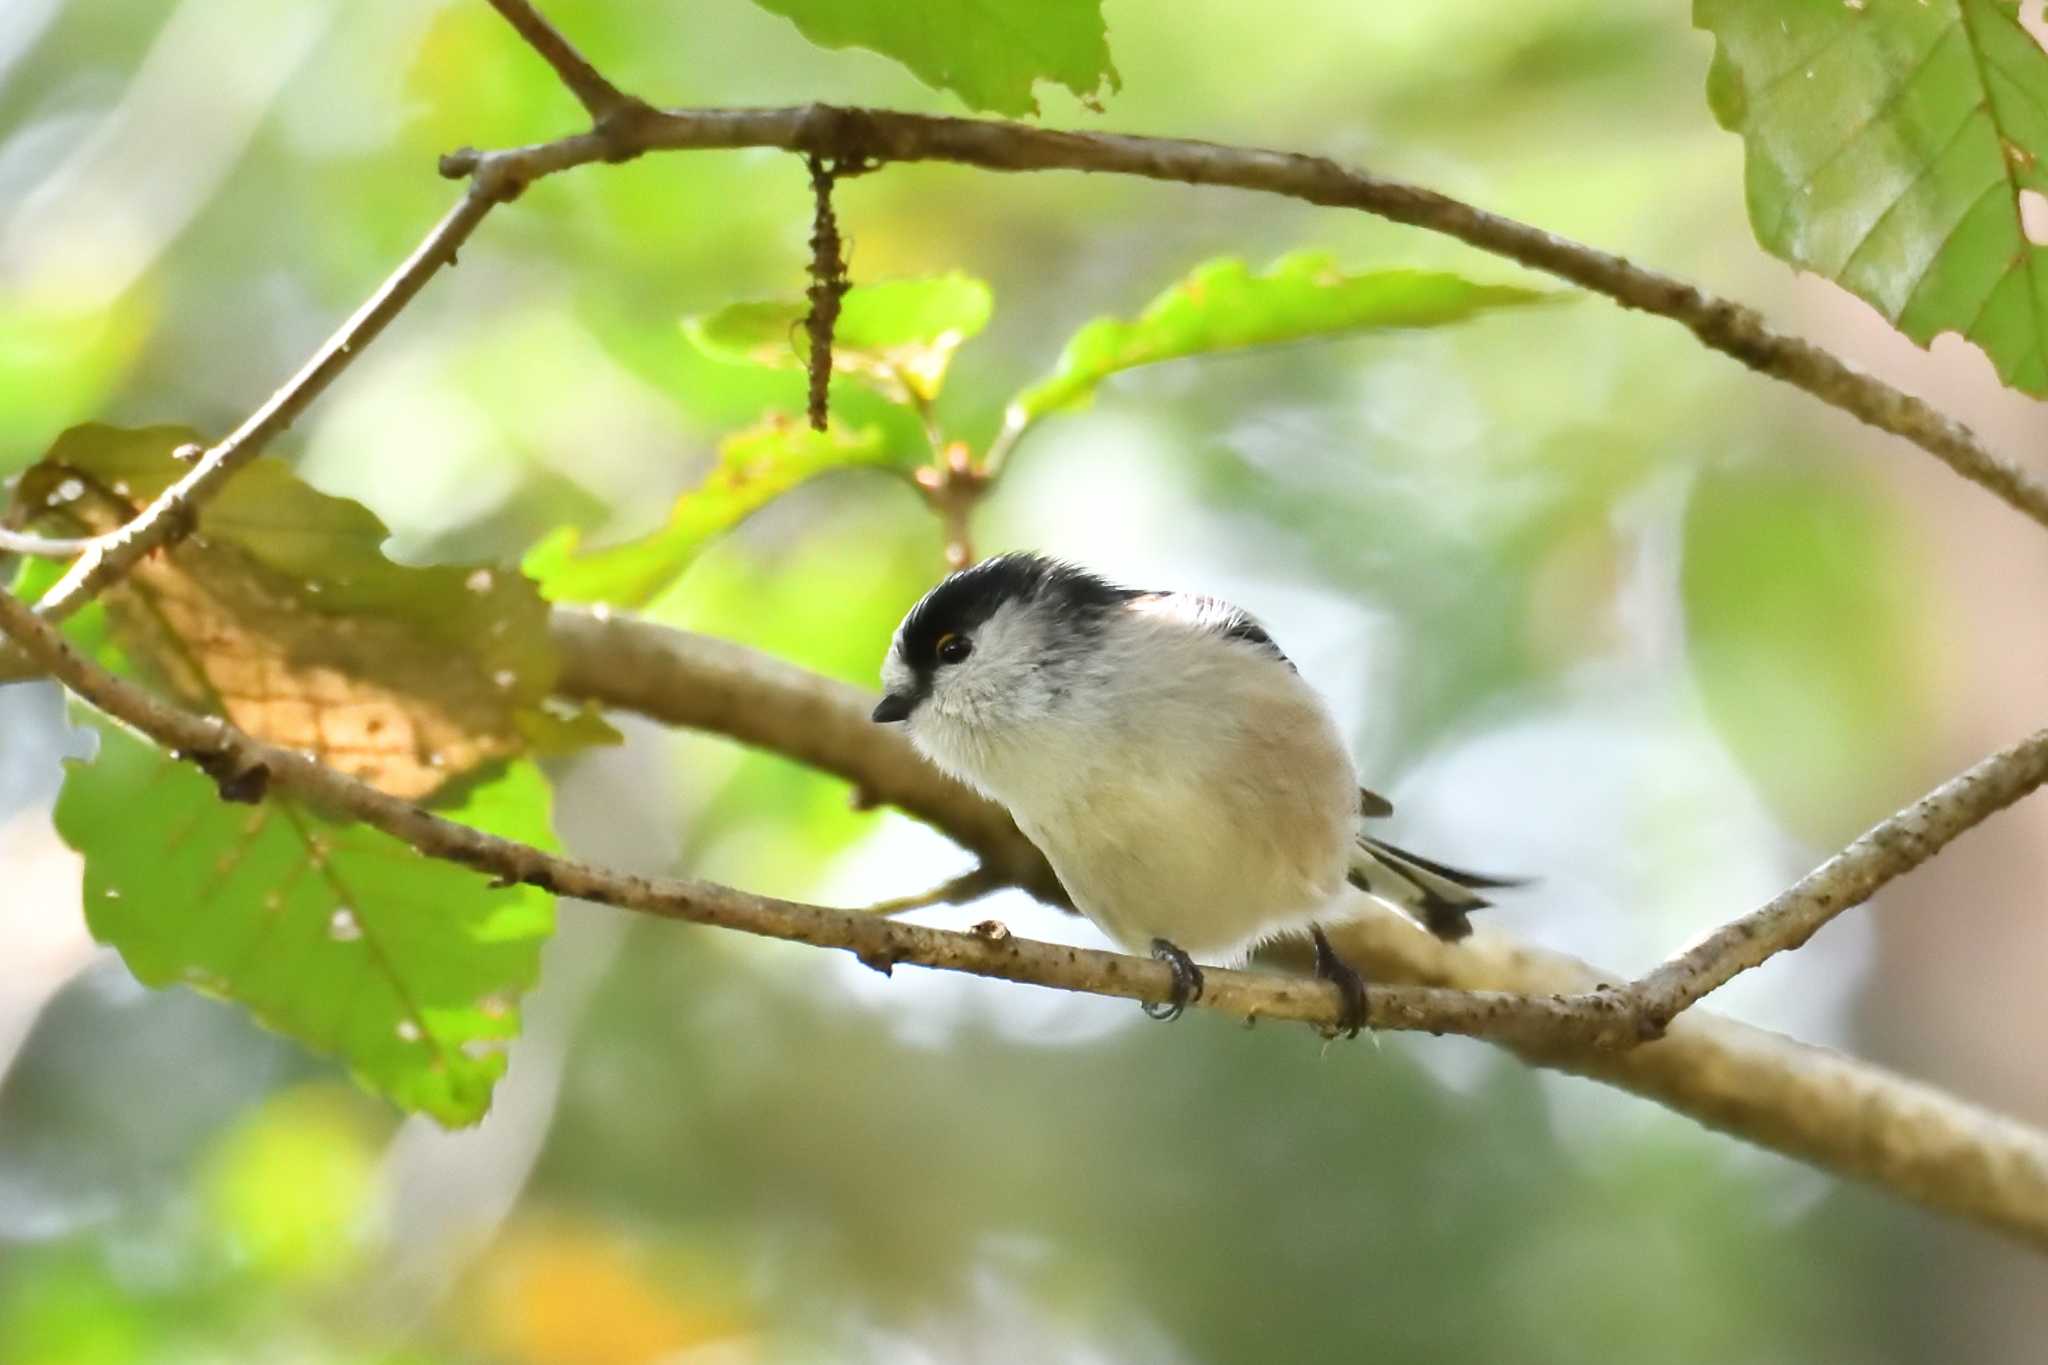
{"x": 996, "y": 661}
{"x": 975, "y": 692}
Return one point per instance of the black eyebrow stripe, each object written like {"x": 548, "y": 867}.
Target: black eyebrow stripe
{"x": 965, "y": 601}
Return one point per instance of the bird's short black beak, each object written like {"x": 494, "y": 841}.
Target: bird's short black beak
{"x": 893, "y": 707}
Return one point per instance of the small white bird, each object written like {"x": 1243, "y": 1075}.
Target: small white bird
{"x": 1188, "y": 787}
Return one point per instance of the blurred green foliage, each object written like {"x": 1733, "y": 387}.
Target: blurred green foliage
{"x": 738, "y": 1144}
{"x": 1793, "y": 573}
{"x": 291, "y": 1192}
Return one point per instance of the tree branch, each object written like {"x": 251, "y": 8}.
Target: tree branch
{"x": 598, "y": 96}
{"x": 1840, "y": 1114}
{"x": 1887, "y": 850}
{"x": 251, "y": 766}
{"x": 13, "y": 542}
{"x": 1808, "y": 1102}
{"x": 991, "y": 144}
{"x": 171, "y": 516}
{"x": 697, "y": 682}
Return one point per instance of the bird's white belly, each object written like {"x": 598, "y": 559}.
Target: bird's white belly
{"x": 1149, "y": 864}
{"x": 1212, "y": 805}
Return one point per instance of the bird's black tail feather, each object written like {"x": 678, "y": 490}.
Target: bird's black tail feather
{"x": 1439, "y": 896}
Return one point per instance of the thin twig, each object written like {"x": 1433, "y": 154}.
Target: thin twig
{"x": 1808, "y": 1102}
{"x": 1016, "y": 421}
{"x": 866, "y": 137}
{"x": 42, "y": 547}
{"x": 968, "y": 886}
{"x": 1840, "y": 1114}
{"x": 598, "y": 96}
{"x": 952, "y": 487}
{"x": 882, "y": 136}
{"x": 248, "y": 767}
{"x": 171, "y": 516}
{"x": 1890, "y": 849}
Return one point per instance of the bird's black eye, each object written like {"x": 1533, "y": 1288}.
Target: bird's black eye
{"x": 953, "y": 648}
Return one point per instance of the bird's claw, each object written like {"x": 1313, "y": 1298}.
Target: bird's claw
{"x": 1187, "y": 981}
{"x": 1349, "y": 983}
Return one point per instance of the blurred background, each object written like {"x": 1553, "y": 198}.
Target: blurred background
{"x": 1594, "y": 604}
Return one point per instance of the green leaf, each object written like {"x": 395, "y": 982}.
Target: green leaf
{"x": 406, "y": 968}
{"x": 1222, "y": 306}
{"x": 988, "y": 52}
{"x": 1888, "y": 147}
{"x": 898, "y": 336}
{"x": 1806, "y": 626}
{"x": 754, "y": 467}
{"x": 283, "y": 614}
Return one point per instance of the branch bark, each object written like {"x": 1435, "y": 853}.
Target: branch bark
{"x": 252, "y": 767}
{"x": 1889, "y": 849}
{"x": 1840, "y": 1114}
{"x": 626, "y": 127}
{"x": 171, "y": 516}
{"x": 598, "y": 96}
{"x": 13, "y": 542}
{"x": 873, "y": 135}
{"x": 697, "y": 682}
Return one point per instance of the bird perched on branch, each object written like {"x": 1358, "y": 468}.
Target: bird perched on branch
{"x": 1188, "y": 787}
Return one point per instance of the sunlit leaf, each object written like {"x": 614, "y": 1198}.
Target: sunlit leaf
{"x": 988, "y": 52}
{"x": 1807, "y": 637}
{"x": 898, "y": 336}
{"x": 282, "y": 613}
{"x": 1223, "y": 306}
{"x": 406, "y": 968}
{"x": 1890, "y": 146}
{"x": 754, "y": 467}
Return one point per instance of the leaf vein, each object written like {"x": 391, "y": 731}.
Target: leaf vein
{"x": 1933, "y": 164}
{"x": 1872, "y": 120}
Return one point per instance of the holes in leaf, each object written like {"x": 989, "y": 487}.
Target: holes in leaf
{"x": 2034, "y": 216}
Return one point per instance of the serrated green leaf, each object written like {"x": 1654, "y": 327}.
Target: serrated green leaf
{"x": 283, "y": 614}
{"x": 1888, "y": 146}
{"x": 988, "y": 52}
{"x": 898, "y": 336}
{"x": 754, "y": 467}
{"x": 1806, "y": 631}
{"x": 406, "y": 968}
{"x": 1223, "y": 306}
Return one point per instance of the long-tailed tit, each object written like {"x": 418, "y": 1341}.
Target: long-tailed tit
{"x": 1187, "y": 785}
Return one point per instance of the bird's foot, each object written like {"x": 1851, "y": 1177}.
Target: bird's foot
{"x": 1350, "y": 985}
{"x": 1187, "y": 980}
